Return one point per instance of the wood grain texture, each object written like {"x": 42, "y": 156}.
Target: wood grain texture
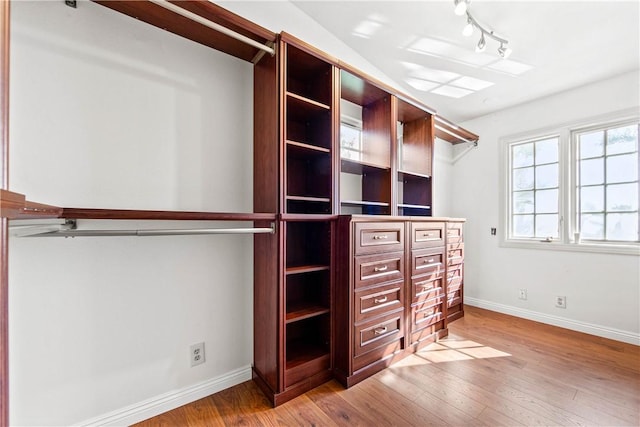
{"x": 493, "y": 370}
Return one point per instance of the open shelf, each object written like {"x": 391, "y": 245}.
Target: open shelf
{"x": 306, "y": 269}
{"x": 414, "y": 194}
{"x": 308, "y": 76}
{"x": 307, "y": 244}
{"x": 303, "y": 148}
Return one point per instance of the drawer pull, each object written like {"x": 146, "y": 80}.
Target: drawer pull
{"x": 378, "y": 331}
{"x": 384, "y": 268}
{"x": 427, "y": 287}
{"x": 380, "y": 237}
{"x": 380, "y": 300}
{"x": 429, "y": 261}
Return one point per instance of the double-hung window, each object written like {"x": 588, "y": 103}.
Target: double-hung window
{"x": 574, "y": 188}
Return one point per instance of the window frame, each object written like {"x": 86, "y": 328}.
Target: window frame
{"x": 568, "y": 186}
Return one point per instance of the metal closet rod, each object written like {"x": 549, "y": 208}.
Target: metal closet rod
{"x": 68, "y": 230}
{"x": 224, "y": 30}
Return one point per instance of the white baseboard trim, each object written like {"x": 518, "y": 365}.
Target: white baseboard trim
{"x": 563, "y": 322}
{"x": 165, "y": 402}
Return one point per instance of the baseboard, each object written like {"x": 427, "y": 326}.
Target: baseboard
{"x": 168, "y": 401}
{"x": 563, "y": 322}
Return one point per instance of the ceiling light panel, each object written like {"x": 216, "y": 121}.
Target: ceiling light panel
{"x": 422, "y": 85}
{"x": 433, "y": 47}
{"x": 451, "y": 92}
{"x": 471, "y": 83}
{"x": 510, "y": 66}
{"x": 433, "y": 75}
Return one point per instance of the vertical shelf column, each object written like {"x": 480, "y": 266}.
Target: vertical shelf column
{"x": 308, "y": 132}
{"x": 415, "y": 160}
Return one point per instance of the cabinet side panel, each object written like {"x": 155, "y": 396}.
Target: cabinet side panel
{"x": 4, "y": 223}
{"x": 342, "y": 300}
{"x": 417, "y": 146}
{"x": 265, "y": 135}
{"x": 265, "y": 307}
{"x": 376, "y": 127}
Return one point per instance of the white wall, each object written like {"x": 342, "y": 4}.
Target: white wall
{"x": 602, "y": 290}
{"x": 108, "y": 112}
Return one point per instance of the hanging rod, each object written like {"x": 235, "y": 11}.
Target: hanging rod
{"x": 455, "y": 135}
{"x": 68, "y": 230}
{"x": 214, "y": 26}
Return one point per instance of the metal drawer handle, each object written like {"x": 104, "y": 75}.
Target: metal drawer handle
{"x": 380, "y": 268}
{"x": 379, "y": 331}
{"x": 380, "y": 300}
{"x": 380, "y": 237}
{"x": 429, "y": 261}
{"x": 427, "y": 287}
{"x": 426, "y": 234}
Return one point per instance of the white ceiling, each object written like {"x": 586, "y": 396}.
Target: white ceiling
{"x": 557, "y": 45}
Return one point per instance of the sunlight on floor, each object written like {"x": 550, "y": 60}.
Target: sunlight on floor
{"x": 449, "y": 350}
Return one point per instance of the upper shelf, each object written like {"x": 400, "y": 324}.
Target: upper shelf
{"x": 167, "y": 20}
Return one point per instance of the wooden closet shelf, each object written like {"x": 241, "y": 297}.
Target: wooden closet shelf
{"x": 15, "y": 206}
{"x": 306, "y": 269}
{"x": 304, "y": 312}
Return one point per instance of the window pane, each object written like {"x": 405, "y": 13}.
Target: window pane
{"x": 523, "y": 202}
{"x": 622, "y": 140}
{"x": 523, "y": 179}
{"x": 622, "y": 168}
{"x": 547, "y": 151}
{"x": 547, "y": 176}
{"x": 523, "y": 225}
{"x": 547, "y": 226}
{"x": 592, "y": 199}
{"x": 522, "y": 155}
{"x": 622, "y": 197}
{"x": 622, "y": 227}
{"x": 592, "y": 145}
{"x": 547, "y": 201}
{"x": 592, "y": 226}
{"x": 592, "y": 171}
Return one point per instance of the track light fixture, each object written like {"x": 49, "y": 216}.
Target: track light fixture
{"x": 462, "y": 8}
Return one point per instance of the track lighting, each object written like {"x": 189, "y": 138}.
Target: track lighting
{"x": 462, "y": 8}
{"x": 468, "y": 29}
{"x": 482, "y": 44}
{"x": 504, "y": 51}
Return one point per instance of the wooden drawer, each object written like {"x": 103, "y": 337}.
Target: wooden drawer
{"x": 454, "y": 297}
{"x": 455, "y": 256}
{"x": 426, "y": 314}
{"x": 423, "y": 289}
{"x": 374, "y": 269}
{"x": 373, "y": 237}
{"x": 454, "y": 232}
{"x": 427, "y": 234}
{"x": 377, "y": 301}
{"x": 427, "y": 261}
{"x": 378, "y": 333}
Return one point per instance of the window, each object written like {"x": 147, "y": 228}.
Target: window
{"x": 534, "y": 189}
{"x": 607, "y": 181}
{"x": 574, "y": 188}
{"x": 350, "y": 141}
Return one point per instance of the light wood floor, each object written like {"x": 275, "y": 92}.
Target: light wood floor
{"x": 493, "y": 370}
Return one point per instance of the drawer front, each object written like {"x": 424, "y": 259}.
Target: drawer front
{"x": 427, "y": 234}
{"x": 454, "y": 232}
{"x": 455, "y": 256}
{"x": 374, "y": 302}
{"x": 424, "y": 289}
{"x": 372, "y": 335}
{"x": 422, "y": 319}
{"x": 374, "y": 269}
{"x": 454, "y": 297}
{"x": 372, "y": 237}
{"x": 427, "y": 261}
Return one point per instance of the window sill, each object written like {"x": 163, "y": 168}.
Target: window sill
{"x": 603, "y": 248}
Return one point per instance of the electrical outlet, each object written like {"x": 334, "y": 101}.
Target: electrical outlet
{"x": 196, "y": 353}
{"x": 493, "y": 231}
{"x": 522, "y": 294}
{"x": 561, "y": 302}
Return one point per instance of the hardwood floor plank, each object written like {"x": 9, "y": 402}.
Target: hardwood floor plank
{"x": 492, "y": 370}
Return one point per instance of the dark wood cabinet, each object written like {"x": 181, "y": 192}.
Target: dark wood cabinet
{"x": 355, "y": 276}
{"x": 390, "y": 289}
